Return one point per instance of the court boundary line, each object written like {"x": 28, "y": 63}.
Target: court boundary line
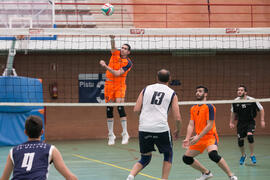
{"x": 112, "y": 165}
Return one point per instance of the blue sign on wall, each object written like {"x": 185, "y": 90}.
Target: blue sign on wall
{"x": 91, "y": 88}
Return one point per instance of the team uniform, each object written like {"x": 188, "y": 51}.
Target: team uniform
{"x": 31, "y": 160}
{"x": 115, "y": 87}
{"x": 245, "y": 114}
{"x": 200, "y": 114}
{"x": 153, "y": 121}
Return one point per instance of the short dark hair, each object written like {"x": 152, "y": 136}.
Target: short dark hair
{"x": 163, "y": 75}
{"x": 129, "y": 48}
{"x": 205, "y": 89}
{"x": 243, "y": 86}
{"x": 33, "y": 126}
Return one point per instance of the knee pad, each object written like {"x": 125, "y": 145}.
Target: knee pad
{"x": 240, "y": 142}
{"x": 145, "y": 160}
{"x": 121, "y": 111}
{"x": 109, "y": 112}
{"x": 250, "y": 138}
{"x": 188, "y": 160}
{"x": 213, "y": 155}
{"x": 168, "y": 156}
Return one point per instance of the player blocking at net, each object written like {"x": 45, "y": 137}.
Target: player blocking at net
{"x": 202, "y": 119}
{"x": 115, "y": 87}
{"x": 153, "y": 105}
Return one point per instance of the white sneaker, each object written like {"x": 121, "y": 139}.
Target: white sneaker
{"x": 111, "y": 140}
{"x": 233, "y": 178}
{"x": 130, "y": 177}
{"x": 125, "y": 138}
{"x": 205, "y": 176}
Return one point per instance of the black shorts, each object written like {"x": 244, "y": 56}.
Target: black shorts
{"x": 163, "y": 141}
{"x": 243, "y": 129}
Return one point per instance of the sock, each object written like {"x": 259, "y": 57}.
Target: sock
{"x": 130, "y": 177}
{"x": 110, "y": 126}
{"x": 124, "y": 126}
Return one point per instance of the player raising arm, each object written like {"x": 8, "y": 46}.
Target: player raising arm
{"x": 115, "y": 87}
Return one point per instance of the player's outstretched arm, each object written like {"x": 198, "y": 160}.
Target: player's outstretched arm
{"x": 138, "y": 105}
{"x": 190, "y": 129}
{"x": 207, "y": 128}
{"x": 113, "y": 43}
{"x": 60, "y": 165}
{"x": 8, "y": 169}
{"x": 177, "y": 117}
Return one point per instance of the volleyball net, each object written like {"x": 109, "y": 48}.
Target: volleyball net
{"x": 220, "y": 58}
{"x": 69, "y": 86}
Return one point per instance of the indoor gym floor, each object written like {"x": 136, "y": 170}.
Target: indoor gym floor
{"x": 94, "y": 160}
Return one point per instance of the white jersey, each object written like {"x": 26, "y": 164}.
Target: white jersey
{"x": 157, "y": 99}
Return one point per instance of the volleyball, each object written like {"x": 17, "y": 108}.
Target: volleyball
{"x": 107, "y": 9}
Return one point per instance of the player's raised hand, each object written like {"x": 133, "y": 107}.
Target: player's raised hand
{"x": 102, "y": 63}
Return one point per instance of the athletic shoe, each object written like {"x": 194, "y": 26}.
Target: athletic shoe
{"x": 233, "y": 178}
{"x": 130, "y": 177}
{"x": 253, "y": 159}
{"x": 111, "y": 140}
{"x": 205, "y": 176}
{"x": 125, "y": 138}
{"x": 242, "y": 159}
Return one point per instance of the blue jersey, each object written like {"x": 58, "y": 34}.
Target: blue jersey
{"x": 31, "y": 160}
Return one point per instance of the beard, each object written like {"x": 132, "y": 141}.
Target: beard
{"x": 199, "y": 98}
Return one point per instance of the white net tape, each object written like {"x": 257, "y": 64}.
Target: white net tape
{"x": 181, "y": 103}
{"x": 144, "y": 39}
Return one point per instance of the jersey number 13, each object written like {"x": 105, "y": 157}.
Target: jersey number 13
{"x": 157, "y": 97}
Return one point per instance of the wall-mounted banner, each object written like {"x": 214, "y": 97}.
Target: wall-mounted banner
{"x": 91, "y": 88}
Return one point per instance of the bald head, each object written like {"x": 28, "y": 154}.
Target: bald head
{"x": 163, "y": 75}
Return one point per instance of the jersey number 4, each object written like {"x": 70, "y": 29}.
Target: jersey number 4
{"x": 157, "y": 97}
{"x": 28, "y": 161}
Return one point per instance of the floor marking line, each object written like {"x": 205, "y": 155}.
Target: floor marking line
{"x": 113, "y": 165}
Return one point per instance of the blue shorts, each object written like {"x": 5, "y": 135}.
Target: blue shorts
{"x": 163, "y": 141}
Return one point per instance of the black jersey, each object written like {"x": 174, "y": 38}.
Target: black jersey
{"x": 246, "y": 112}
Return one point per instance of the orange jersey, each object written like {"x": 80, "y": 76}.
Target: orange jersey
{"x": 116, "y": 63}
{"x": 200, "y": 114}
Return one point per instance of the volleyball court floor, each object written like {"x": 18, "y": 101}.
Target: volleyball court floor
{"x": 95, "y": 160}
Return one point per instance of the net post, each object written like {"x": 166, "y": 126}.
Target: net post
{"x": 11, "y": 54}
